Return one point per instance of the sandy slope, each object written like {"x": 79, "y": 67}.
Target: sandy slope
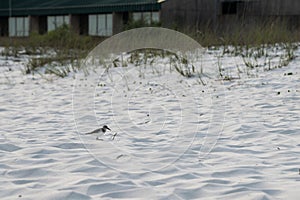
{"x": 175, "y": 139}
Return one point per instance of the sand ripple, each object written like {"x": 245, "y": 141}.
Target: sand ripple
{"x": 166, "y": 148}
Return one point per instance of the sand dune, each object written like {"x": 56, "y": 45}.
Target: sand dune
{"x": 236, "y": 139}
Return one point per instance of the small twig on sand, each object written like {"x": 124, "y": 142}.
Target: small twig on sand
{"x": 113, "y": 137}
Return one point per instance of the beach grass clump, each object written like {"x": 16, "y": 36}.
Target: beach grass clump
{"x": 55, "y": 50}
{"x": 256, "y": 59}
{"x": 156, "y": 62}
{"x": 63, "y": 39}
{"x": 173, "y": 61}
{"x": 58, "y": 66}
{"x": 268, "y": 31}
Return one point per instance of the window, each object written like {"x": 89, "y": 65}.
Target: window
{"x": 100, "y": 25}
{"x": 18, "y": 26}
{"x": 148, "y": 17}
{"x": 137, "y": 16}
{"x": 56, "y": 21}
{"x": 229, "y": 8}
{"x": 155, "y": 17}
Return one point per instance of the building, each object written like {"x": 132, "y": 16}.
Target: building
{"x": 108, "y": 17}
{"x": 197, "y": 14}
{"x": 89, "y": 17}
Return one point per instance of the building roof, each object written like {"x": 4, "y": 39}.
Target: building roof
{"x": 62, "y": 7}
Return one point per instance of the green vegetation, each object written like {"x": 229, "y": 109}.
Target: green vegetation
{"x": 63, "y": 39}
{"x": 140, "y": 23}
{"x": 252, "y": 61}
{"x": 268, "y": 32}
{"x": 59, "y": 50}
{"x": 149, "y": 58}
{"x": 264, "y": 46}
{"x": 256, "y": 59}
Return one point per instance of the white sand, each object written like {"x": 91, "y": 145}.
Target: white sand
{"x": 238, "y": 139}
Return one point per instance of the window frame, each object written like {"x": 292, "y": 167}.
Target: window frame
{"x": 56, "y": 22}
{"x": 18, "y": 26}
{"x": 103, "y": 24}
{"x": 143, "y": 15}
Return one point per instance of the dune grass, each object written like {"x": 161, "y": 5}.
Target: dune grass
{"x": 62, "y": 39}
{"x": 54, "y": 50}
{"x": 267, "y": 32}
{"x": 60, "y": 50}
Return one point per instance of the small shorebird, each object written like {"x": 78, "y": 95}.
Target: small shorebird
{"x": 99, "y": 130}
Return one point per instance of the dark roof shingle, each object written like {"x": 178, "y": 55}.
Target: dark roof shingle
{"x": 60, "y": 7}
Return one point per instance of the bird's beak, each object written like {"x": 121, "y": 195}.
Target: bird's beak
{"x": 108, "y": 128}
